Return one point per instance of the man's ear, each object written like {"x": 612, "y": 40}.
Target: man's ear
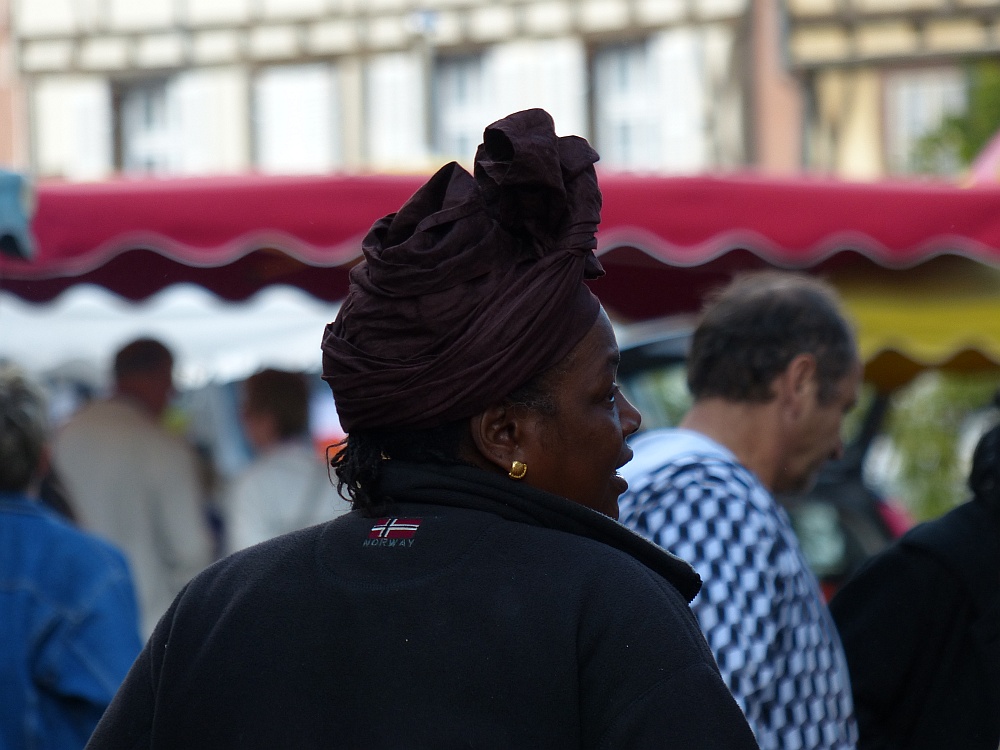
{"x": 497, "y": 433}
{"x": 796, "y": 386}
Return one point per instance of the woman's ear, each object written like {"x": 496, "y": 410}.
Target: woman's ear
{"x": 496, "y": 433}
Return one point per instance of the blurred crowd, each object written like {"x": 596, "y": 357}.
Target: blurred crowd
{"x": 123, "y": 511}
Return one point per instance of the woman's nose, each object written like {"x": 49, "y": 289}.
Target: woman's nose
{"x": 628, "y": 415}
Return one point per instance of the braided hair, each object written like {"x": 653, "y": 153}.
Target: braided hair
{"x": 359, "y": 463}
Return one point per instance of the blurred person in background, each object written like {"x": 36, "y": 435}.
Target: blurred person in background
{"x": 480, "y": 593}
{"x": 69, "y": 628}
{"x": 773, "y": 368}
{"x": 287, "y": 486}
{"x": 53, "y": 493}
{"x": 135, "y": 483}
{"x": 921, "y": 626}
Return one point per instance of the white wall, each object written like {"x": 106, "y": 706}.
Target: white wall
{"x": 218, "y": 11}
{"x": 139, "y": 14}
{"x": 292, "y": 8}
{"x": 44, "y": 16}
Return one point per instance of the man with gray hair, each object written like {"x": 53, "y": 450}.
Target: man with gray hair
{"x": 67, "y": 607}
{"x": 773, "y": 368}
{"x": 135, "y": 483}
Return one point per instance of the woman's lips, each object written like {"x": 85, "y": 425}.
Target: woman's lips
{"x": 619, "y": 483}
{"x": 618, "y": 480}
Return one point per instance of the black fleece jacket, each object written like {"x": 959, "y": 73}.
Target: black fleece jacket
{"x": 920, "y": 624}
{"x": 477, "y": 613}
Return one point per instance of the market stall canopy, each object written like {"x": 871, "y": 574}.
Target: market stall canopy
{"x": 212, "y": 341}
{"x": 917, "y": 262}
{"x": 231, "y": 235}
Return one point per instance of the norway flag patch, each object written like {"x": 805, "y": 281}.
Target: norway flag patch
{"x": 395, "y": 528}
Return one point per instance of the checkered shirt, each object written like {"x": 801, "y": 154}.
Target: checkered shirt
{"x": 760, "y": 606}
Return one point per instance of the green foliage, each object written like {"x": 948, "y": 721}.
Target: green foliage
{"x": 937, "y": 152}
{"x": 960, "y": 138}
{"x": 926, "y": 425}
{"x": 661, "y": 396}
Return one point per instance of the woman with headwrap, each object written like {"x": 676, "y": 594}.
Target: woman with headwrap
{"x": 480, "y": 593}
{"x": 920, "y": 623}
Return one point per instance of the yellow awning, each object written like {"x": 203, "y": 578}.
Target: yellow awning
{"x": 944, "y": 314}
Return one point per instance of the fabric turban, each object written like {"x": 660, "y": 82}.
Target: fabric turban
{"x": 474, "y": 286}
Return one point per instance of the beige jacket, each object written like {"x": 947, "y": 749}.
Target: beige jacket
{"x": 137, "y": 485}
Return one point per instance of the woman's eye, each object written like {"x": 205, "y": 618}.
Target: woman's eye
{"x": 613, "y": 392}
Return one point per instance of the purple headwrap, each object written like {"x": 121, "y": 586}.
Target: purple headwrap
{"x": 474, "y": 286}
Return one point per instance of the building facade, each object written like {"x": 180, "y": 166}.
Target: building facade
{"x": 846, "y": 87}
{"x": 292, "y": 86}
{"x": 877, "y": 75}
{"x": 13, "y": 114}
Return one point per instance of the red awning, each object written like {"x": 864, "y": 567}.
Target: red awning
{"x": 798, "y": 223}
{"x": 918, "y": 263}
{"x": 665, "y": 241}
{"x": 231, "y": 235}
{"x": 236, "y": 235}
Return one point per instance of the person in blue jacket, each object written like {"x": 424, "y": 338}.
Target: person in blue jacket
{"x": 69, "y": 628}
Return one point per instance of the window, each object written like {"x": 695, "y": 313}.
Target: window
{"x": 625, "y": 111}
{"x": 148, "y": 127}
{"x": 73, "y": 127}
{"x": 650, "y": 102}
{"x": 916, "y": 103}
{"x": 395, "y": 111}
{"x": 196, "y": 122}
{"x": 460, "y": 105}
{"x": 295, "y": 117}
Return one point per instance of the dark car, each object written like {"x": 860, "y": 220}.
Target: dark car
{"x": 841, "y": 521}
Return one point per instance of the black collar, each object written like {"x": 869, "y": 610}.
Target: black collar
{"x": 470, "y": 487}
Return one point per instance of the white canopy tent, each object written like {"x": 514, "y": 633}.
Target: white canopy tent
{"x": 69, "y": 344}
{"x": 212, "y": 340}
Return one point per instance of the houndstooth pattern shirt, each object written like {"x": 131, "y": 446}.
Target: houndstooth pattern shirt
{"x": 760, "y": 606}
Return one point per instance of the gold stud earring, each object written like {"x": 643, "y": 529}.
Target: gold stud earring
{"x": 517, "y": 470}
